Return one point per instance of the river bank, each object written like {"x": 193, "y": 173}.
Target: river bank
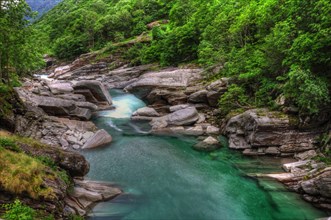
{"x": 179, "y": 103}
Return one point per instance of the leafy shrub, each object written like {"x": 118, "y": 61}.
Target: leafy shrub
{"x": 47, "y": 161}
{"x": 308, "y": 92}
{"x": 18, "y": 211}
{"x": 9, "y": 144}
{"x": 234, "y": 98}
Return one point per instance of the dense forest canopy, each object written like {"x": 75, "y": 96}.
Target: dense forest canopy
{"x": 269, "y": 48}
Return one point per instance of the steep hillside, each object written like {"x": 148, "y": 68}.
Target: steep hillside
{"x": 271, "y": 49}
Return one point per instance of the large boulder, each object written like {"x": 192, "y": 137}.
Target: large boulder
{"x": 260, "y": 129}
{"x": 61, "y": 107}
{"x": 60, "y": 71}
{"x": 163, "y": 96}
{"x": 178, "y": 107}
{"x": 60, "y": 87}
{"x": 219, "y": 85}
{"x": 86, "y": 194}
{"x": 319, "y": 185}
{"x": 208, "y": 144}
{"x": 71, "y": 161}
{"x": 198, "y": 97}
{"x": 98, "y": 91}
{"x": 166, "y": 86}
{"x": 172, "y": 78}
{"x": 179, "y": 130}
{"x": 100, "y": 138}
{"x": 57, "y": 106}
{"x": 215, "y": 90}
{"x": 147, "y": 112}
{"x": 187, "y": 116}
{"x": 213, "y": 98}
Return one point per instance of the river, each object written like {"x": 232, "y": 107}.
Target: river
{"x": 163, "y": 178}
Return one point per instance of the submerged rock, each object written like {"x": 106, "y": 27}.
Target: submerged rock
{"x": 208, "y": 144}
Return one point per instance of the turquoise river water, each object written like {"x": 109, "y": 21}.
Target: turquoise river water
{"x": 163, "y": 178}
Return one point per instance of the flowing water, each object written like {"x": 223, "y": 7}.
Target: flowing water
{"x": 163, "y": 178}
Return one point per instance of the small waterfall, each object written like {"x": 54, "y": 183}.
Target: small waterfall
{"x": 137, "y": 129}
{"x": 112, "y": 125}
{"x": 164, "y": 178}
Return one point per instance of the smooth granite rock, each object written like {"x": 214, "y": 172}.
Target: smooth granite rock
{"x": 208, "y": 144}
{"x": 100, "y": 138}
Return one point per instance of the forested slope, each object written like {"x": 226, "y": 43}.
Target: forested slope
{"x": 269, "y": 47}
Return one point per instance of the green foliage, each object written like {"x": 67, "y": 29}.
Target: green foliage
{"x": 234, "y": 98}
{"x": 9, "y": 144}
{"x": 309, "y": 92}
{"x": 18, "y": 51}
{"x": 17, "y": 210}
{"x": 47, "y": 161}
{"x": 68, "y": 47}
{"x": 63, "y": 175}
{"x": 267, "y": 47}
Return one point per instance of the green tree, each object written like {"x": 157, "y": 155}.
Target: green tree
{"x": 17, "y": 49}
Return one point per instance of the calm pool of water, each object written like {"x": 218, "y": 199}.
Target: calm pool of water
{"x": 163, "y": 178}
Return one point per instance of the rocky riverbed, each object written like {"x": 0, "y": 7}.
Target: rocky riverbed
{"x": 58, "y": 111}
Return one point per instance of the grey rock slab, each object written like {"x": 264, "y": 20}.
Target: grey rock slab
{"x": 97, "y": 89}
{"x": 146, "y": 111}
{"x": 213, "y": 98}
{"x": 289, "y": 166}
{"x": 100, "y": 138}
{"x": 306, "y": 155}
{"x": 60, "y": 87}
{"x": 187, "y": 116}
{"x": 212, "y": 130}
{"x": 208, "y": 144}
{"x": 218, "y": 85}
{"x": 272, "y": 151}
{"x": 179, "y": 107}
{"x": 81, "y": 113}
{"x": 194, "y": 131}
{"x": 264, "y": 128}
{"x": 87, "y": 105}
{"x": 198, "y": 97}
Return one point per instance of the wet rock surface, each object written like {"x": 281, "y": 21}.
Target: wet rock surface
{"x": 208, "y": 144}
{"x": 259, "y": 131}
{"x": 61, "y": 117}
{"x": 86, "y": 194}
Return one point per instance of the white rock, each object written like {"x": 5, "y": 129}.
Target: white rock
{"x": 212, "y": 130}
